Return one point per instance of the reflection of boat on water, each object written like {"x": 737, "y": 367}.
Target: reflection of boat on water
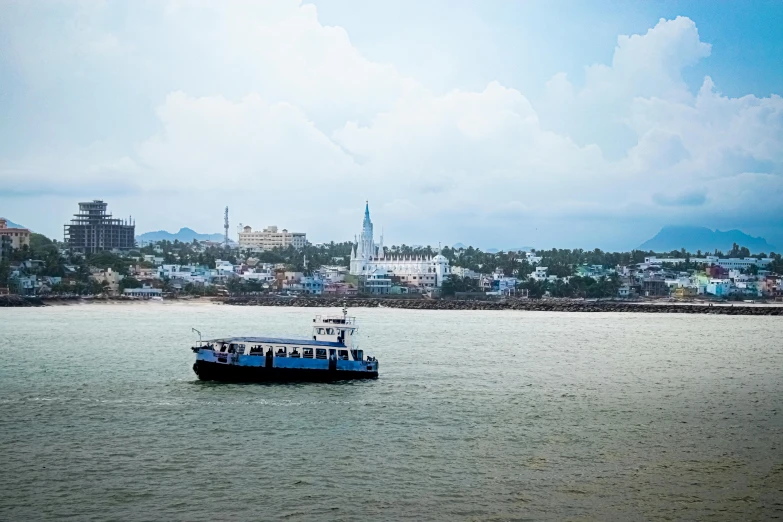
{"x": 331, "y": 355}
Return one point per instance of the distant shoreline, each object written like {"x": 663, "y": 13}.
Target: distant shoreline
{"x": 531, "y": 305}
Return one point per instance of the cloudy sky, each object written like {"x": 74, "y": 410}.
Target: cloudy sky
{"x": 497, "y": 124}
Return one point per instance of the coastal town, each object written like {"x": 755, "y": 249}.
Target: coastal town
{"x": 100, "y": 257}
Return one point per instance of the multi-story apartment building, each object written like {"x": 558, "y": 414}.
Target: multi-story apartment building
{"x": 270, "y": 238}
{"x": 92, "y": 230}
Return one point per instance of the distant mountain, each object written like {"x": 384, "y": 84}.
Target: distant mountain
{"x": 185, "y": 235}
{"x": 704, "y": 239}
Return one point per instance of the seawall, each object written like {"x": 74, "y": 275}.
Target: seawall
{"x": 510, "y": 304}
{"x": 532, "y": 305}
{"x": 17, "y": 300}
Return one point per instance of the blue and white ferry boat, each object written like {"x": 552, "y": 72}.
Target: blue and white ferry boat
{"x": 330, "y": 355}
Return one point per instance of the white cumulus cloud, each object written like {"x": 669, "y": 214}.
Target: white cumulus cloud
{"x": 262, "y": 106}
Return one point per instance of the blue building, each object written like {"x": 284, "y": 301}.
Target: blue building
{"x": 312, "y": 285}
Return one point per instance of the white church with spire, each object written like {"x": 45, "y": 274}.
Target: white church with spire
{"x": 369, "y": 259}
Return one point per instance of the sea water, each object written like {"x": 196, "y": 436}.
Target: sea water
{"x": 475, "y": 416}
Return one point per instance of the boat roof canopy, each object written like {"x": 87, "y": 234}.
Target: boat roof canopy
{"x": 274, "y": 340}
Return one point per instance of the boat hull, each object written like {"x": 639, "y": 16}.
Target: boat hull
{"x": 211, "y": 371}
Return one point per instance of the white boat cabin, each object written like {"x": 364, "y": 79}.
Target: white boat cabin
{"x": 332, "y": 338}
{"x": 334, "y": 329}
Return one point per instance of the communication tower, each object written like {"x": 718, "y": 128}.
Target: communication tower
{"x": 225, "y": 226}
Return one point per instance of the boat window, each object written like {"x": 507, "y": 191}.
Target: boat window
{"x": 320, "y": 331}
{"x": 330, "y": 331}
{"x": 320, "y": 353}
{"x": 360, "y": 355}
{"x": 307, "y": 353}
{"x": 343, "y": 354}
{"x": 223, "y": 348}
{"x": 256, "y": 349}
{"x": 280, "y": 352}
{"x": 295, "y": 352}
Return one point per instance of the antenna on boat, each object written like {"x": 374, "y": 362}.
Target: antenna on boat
{"x": 199, "y": 333}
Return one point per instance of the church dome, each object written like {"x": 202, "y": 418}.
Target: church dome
{"x": 440, "y": 259}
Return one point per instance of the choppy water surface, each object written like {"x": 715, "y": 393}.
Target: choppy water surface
{"x": 476, "y": 416}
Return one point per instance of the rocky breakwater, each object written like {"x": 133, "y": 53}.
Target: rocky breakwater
{"x": 18, "y": 300}
{"x": 510, "y": 304}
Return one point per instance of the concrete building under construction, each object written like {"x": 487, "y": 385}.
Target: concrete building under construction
{"x": 92, "y": 230}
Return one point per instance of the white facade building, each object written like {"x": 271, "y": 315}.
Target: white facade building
{"x": 465, "y": 272}
{"x": 260, "y": 274}
{"x": 532, "y": 258}
{"x": 145, "y": 292}
{"x": 185, "y": 273}
{"x": 657, "y": 261}
{"x": 270, "y": 238}
{"x": 370, "y": 259}
{"x": 739, "y": 263}
{"x": 729, "y": 263}
{"x": 331, "y": 274}
{"x": 540, "y": 273}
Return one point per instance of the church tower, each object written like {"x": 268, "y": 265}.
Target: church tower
{"x": 364, "y": 250}
{"x": 368, "y": 246}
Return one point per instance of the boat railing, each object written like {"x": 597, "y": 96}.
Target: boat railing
{"x": 335, "y": 319}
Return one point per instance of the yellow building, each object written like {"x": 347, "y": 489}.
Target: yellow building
{"x": 19, "y": 236}
{"x": 270, "y": 238}
{"x": 683, "y": 292}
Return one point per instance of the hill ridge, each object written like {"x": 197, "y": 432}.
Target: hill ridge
{"x": 676, "y": 237}
{"x": 185, "y": 235}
